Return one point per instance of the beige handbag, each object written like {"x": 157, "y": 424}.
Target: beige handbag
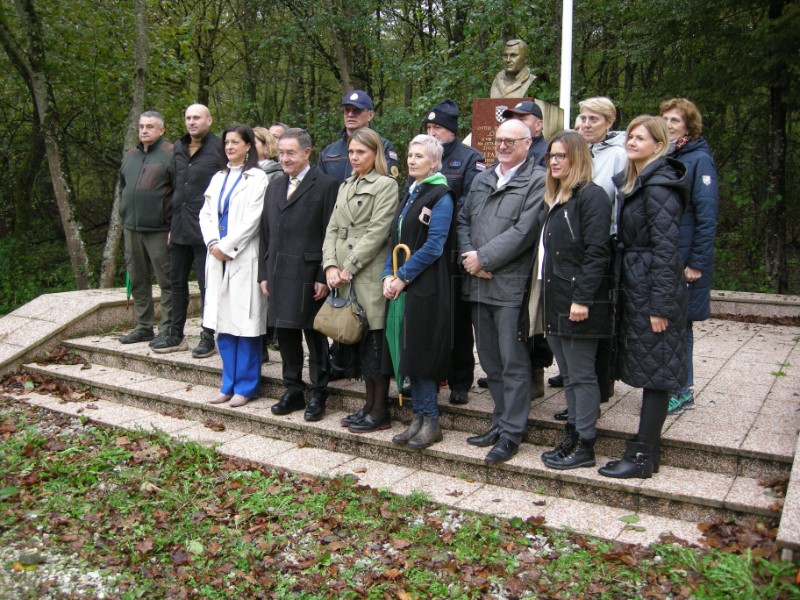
{"x": 342, "y": 319}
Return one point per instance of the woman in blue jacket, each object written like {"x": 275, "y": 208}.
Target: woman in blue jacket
{"x": 698, "y": 223}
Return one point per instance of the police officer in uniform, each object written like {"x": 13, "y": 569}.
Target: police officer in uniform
{"x": 358, "y": 112}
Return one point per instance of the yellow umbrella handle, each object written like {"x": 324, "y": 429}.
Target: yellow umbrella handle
{"x": 405, "y": 249}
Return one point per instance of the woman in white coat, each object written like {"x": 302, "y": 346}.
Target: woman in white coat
{"x": 234, "y": 306}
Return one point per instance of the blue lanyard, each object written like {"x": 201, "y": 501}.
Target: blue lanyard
{"x": 223, "y": 210}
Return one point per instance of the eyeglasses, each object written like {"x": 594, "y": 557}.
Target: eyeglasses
{"x": 500, "y": 142}
{"x": 559, "y": 157}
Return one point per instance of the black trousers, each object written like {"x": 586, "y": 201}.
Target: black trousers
{"x": 291, "y": 349}
{"x": 462, "y": 356}
{"x": 181, "y": 257}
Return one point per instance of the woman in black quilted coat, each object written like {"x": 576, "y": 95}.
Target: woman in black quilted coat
{"x": 653, "y": 192}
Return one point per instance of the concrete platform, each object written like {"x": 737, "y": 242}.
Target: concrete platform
{"x": 744, "y": 426}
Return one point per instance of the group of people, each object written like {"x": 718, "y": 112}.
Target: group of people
{"x": 595, "y": 248}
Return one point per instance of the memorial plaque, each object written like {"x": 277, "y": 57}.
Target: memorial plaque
{"x": 487, "y": 114}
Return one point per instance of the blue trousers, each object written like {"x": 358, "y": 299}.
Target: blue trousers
{"x": 423, "y": 397}
{"x": 241, "y": 364}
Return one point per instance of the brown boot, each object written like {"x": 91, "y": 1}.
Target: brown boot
{"x": 537, "y": 384}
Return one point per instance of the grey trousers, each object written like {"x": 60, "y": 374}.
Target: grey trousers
{"x": 576, "y": 363}
{"x": 147, "y": 253}
{"x": 507, "y": 366}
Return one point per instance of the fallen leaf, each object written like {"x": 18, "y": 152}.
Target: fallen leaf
{"x": 144, "y": 546}
{"x": 400, "y": 543}
{"x": 91, "y": 406}
{"x": 179, "y": 557}
{"x": 123, "y": 440}
{"x": 214, "y": 425}
{"x": 360, "y": 470}
{"x": 630, "y": 519}
{"x": 455, "y": 493}
{"x": 393, "y": 574}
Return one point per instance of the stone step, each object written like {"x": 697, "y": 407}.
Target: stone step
{"x": 687, "y": 445}
{"x": 558, "y": 513}
{"x": 675, "y": 492}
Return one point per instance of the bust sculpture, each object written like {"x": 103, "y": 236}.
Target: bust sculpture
{"x": 515, "y": 78}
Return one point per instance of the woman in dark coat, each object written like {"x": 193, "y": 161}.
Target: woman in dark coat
{"x": 422, "y": 223}
{"x": 574, "y": 266}
{"x": 651, "y": 287}
{"x": 698, "y": 224}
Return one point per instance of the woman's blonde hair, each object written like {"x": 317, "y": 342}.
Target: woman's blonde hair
{"x": 369, "y": 138}
{"x": 580, "y": 170}
{"x": 602, "y": 106}
{"x": 266, "y": 138}
{"x": 657, "y": 128}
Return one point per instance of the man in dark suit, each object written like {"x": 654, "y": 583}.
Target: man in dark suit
{"x": 297, "y": 208}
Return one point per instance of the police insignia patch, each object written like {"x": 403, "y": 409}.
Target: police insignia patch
{"x": 432, "y": 116}
{"x": 707, "y": 180}
{"x": 353, "y": 96}
{"x": 394, "y": 171}
{"x": 454, "y": 163}
{"x": 480, "y": 166}
{"x": 392, "y": 154}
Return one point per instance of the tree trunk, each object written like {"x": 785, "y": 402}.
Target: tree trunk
{"x": 775, "y": 249}
{"x": 114, "y": 234}
{"x": 24, "y": 184}
{"x": 32, "y": 67}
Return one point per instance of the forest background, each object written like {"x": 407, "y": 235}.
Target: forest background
{"x": 75, "y": 74}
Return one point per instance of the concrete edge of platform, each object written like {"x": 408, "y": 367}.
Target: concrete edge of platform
{"x": 789, "y": 529}
{"x": 41, "y": 324}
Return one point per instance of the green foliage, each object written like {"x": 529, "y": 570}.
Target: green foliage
{"x": 257, "y": 61}
{"x": 28, "y": 271}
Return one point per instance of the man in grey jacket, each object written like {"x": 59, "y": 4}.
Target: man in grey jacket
{"x": 497, "y": 229}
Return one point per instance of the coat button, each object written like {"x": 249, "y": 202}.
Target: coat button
{"x": 349, "y": 246}
{"x": 359, "y": 203}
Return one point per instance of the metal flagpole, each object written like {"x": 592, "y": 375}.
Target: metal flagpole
{"x": 565, "y": 98}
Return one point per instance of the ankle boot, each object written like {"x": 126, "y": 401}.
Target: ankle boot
{"x": 403, "y": 438}
{"x": 568, "y": 441}
{"x": 537, "y": 384}
{"x": 427, "y": 436}
{"x": 581, "y": 455}
{"x": 656, "y": 454}
{"x": 636, "y": 462}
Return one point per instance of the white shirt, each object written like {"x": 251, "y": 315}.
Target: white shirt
{"x": 504, "y": 179}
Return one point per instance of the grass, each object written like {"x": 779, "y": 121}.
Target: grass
{"x": 160, "y": 519}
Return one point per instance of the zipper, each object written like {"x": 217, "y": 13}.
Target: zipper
{"x": 569, "y": 225}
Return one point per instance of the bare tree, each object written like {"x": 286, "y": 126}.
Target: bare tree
{"x": 29, "y": 60}
{"x": 137, "y": 106}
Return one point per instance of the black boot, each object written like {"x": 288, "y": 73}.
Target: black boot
{"x": 636, "y": 462}
{"x": 565, "y": 445}
{"x": 581, "y": 455}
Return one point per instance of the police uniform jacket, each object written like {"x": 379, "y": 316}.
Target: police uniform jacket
{"x": 333, "y": 159}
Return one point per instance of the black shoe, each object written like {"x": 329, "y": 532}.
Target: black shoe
{"x": 562, "y": 416}
{"x": 483, "y": 382}
{"x": 502, "y": 451}
{"x": 489, "y": 438}
{"x": 459, "y": 397}
{"x": 206, "y": 346}
{"x": 637, "y": 462}
{"x": 159, "y": 336}
{"x": 581, "y": 455}
{"x": 315, "y": 408}
{"x": 565, "y": 445}
{"x": 136, "y": 336}
{"x": 368, "y": 424}
{"x": 169, "y": 343}
{"x": 290, "y": 402}
{"x": 556, "y": 381}
{"x": 354, "y": 418}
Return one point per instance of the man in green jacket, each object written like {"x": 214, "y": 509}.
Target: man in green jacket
{"x": 146, "y": 178}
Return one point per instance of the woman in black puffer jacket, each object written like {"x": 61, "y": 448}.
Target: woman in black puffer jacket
{"x": 653, "y": 193}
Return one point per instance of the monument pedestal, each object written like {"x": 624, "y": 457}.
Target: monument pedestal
{"x": 487, "y": 114}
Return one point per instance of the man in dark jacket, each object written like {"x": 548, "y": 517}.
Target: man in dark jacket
{"x": 358, "y": 113}
{"x": 144, "y": 208}
{"x": 496, "y": 230}
{"x": 460, "y": 165}
{"x": 297, "y": 209}
{"x": 197, "y": 158}
{"x": 529, "y": 113}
